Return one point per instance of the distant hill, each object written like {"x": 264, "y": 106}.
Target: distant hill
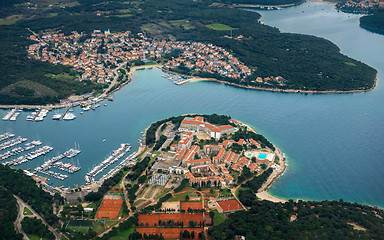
{"x": 373, "y": 23}
{"x": 264, "y": 2}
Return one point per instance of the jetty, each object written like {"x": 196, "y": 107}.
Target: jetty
{"x": 65, "y": 112}
{"x": 116, "y": 155}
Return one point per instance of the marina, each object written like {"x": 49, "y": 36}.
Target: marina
{"x": 176, "y": 79}
{"x": 115, "y": 156}
{"x": 12, "y": 115}
{"x": 12, "y": 143}
{"x": 6, "y": 135}
{"x": 30, "y": 156}
{"x": 38, "y": 115}
{"x": 17, "y": 150}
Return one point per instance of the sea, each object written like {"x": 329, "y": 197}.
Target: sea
{"x": 334, "y": 143}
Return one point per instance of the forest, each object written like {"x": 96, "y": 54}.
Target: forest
{"x": 264, "y": 2}
{"x": 25, "y": 187}
{"x": 8, "y": 214}
{"x": 373, "y": 23}
{"x": 302, "y": 220}
{"x": 305, "y": 62}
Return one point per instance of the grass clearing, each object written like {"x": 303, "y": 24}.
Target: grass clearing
{"x": 10, "y": 20}
{"x": 181, "y": 197}
{"x": 27, "y": 211}
{"x": 60, "y": 76}
{"x": 53, "y": 14}
{"x": 35, "y": 237}
{"x": 219, "y": 218}
{"x": 219, "y": 27}
{"x": 350, "y": 64}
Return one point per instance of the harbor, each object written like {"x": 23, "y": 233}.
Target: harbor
{"x": 115, "y": 156}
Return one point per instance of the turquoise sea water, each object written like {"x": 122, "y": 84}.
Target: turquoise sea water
{"x": 333, "y": 142}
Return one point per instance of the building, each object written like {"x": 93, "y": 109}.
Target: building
{"x": 197, "y": 124}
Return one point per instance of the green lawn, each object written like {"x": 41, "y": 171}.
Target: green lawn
{"x": 34, "y": 237}
{"x": 181, "y": 197}
{"x": 219, "y": 27}
{"x": 27, "y": 211}
{"x": 124, "y": 234}
{"x": 219, "y": 217}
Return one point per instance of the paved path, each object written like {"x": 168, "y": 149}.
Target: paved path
{"x": 19, "y": 218}
{"x": 35, "y": 214}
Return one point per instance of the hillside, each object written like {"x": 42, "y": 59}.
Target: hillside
{"x": 277, "y": 60}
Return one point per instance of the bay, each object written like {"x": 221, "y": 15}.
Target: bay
{"x": 333, "y": 142}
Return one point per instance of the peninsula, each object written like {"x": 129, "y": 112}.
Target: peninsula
{"x": 195, "y": 176}
{"x": 273, "y": 60}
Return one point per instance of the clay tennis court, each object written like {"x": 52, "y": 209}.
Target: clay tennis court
{"x": 168, "y": 233}
{"x": 192, "y": 205}
{"x": 230, "y": 205}
{"x": 110, "y": 206}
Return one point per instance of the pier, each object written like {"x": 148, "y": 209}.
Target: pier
{"x": 65, "y": 112}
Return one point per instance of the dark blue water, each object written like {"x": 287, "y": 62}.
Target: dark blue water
{"x": 334, "y": 142}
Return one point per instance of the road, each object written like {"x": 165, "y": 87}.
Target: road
{"x": 105, "y": 93}
{"x": 19, "y": 218}
{"x": 22, "y": 204}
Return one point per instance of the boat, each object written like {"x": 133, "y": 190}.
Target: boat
{"x": 110, "y": 99}
{"x": 105, "y": 104}
{"x": 57, "y": 116}
{"x": 69, "y": 116}
{"x": 81, "y": 112}
{"x": 103, "y": 140}
{"x": 86, "y": 108}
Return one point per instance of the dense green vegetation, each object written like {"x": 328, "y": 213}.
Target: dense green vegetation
{"x": 305, "y": 62}
{"x": 25, "y": 188}
{"x": 8, "y": 214}
{"x": 373, "y": 23}
{"x": 264, "y": 2}
{"x": 315, "y": 220}
{"x": 245, "y": 134}
{"x": 36, "y": 227}
{"x": 248, "y": 196}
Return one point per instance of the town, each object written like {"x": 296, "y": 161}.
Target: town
{"x": 188, "y": 178}
{"x": 96, "y": 56}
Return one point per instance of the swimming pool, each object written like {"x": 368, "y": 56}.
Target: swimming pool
{"x": 262, "y": 156}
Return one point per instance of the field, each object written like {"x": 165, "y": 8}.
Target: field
{"x": 219, "y": 27}
{"x": 27, "y": 211}
{"x": 80, "y": 225}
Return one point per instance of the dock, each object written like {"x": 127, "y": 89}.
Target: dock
{"x": 65, "y": 112}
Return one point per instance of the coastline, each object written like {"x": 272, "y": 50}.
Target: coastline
{"x": 196, "y": 79}
{"x": 193, "y": 79}
{"x": 262, "y": 193}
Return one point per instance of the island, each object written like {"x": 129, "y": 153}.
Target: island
{"x": 275, "y": 61}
